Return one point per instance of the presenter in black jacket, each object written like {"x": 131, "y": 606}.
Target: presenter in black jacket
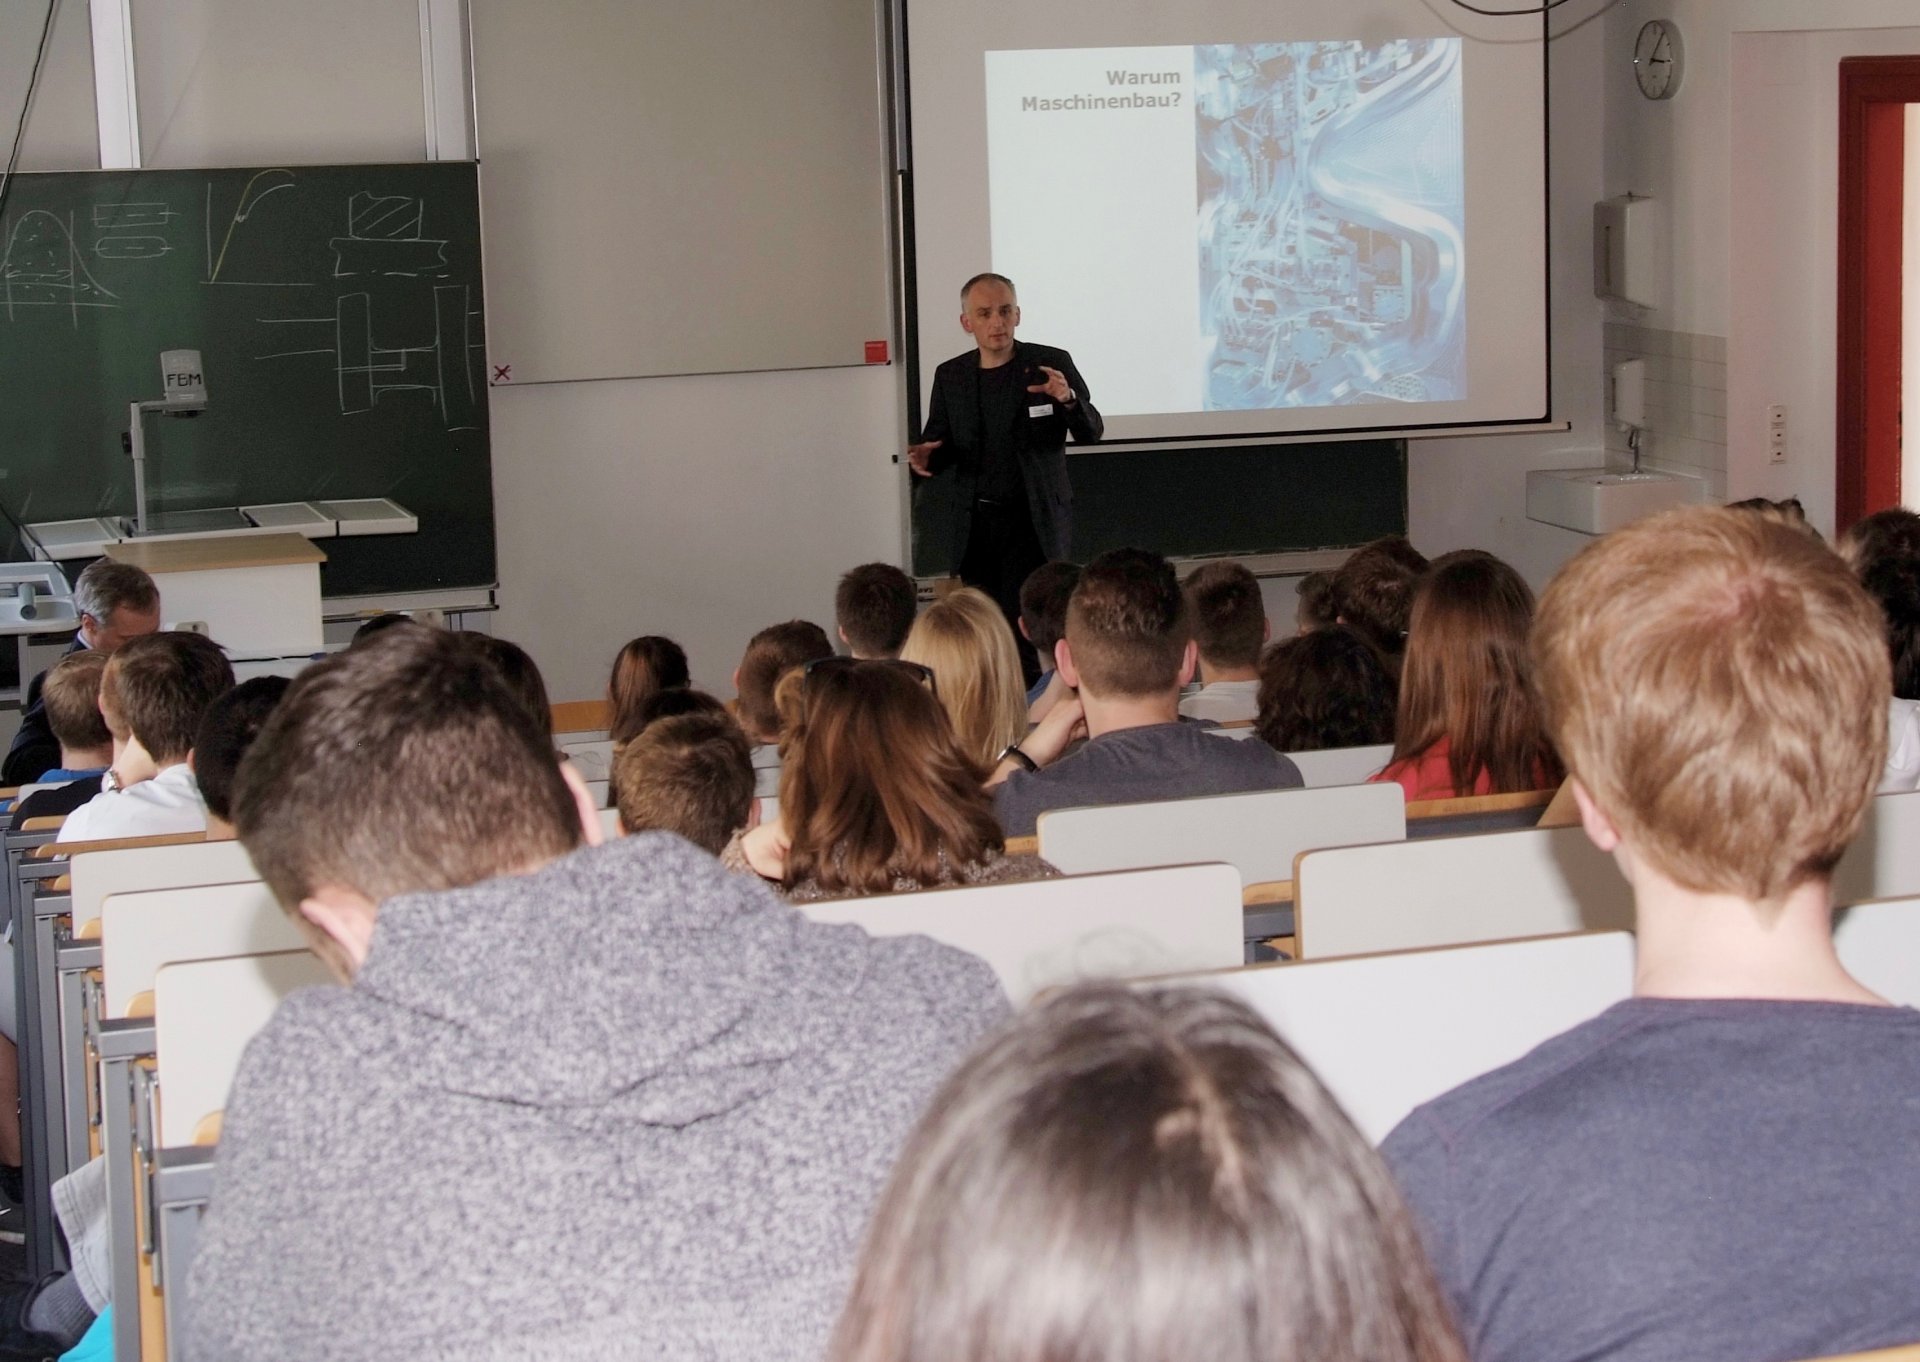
{"x": 998, "y": 423}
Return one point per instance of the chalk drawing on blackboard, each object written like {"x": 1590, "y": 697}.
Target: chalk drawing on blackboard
{"x": 386, "y": 234}
{"x": 258, "y": 188}
{"x": 367, "y": 371}
{"x": 43, "y": 266}
{"x": 131, "y": 247}
{"x": 124, "y": 217}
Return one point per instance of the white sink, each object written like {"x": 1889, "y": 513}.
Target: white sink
{"x": 1597, "y": 500}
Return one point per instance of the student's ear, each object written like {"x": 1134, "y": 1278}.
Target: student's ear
{"x": 1266, "y": 630}
{"x": 736, "y": 680}
{"x": 591, "y": 833}
{"x": 1063, "y": 663}
{"x": 753, "y": 815}
{"x": 340, "y": 923}
{"x": 1189, "y": 663}
{"x": 1025, "y": 632}
{"x": 838, "y": 629}
{"x": 1600, "y": 829}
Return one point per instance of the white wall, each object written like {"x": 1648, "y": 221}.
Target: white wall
{"x": 1471, "y": 493}
{"x": 241, "y": 82}
{"x": 700, "y": 508}
{"x": 62, "y": 133}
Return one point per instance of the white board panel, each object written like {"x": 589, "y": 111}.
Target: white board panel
{"x": 671, "y": 188}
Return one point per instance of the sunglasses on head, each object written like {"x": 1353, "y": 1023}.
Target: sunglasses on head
{"x": 923, "y": 675}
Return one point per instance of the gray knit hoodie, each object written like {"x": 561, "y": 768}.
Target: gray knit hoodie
{"x": 629, "y": 1106}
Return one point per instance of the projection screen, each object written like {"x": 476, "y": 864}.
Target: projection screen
{"x": 1243, "y": 217}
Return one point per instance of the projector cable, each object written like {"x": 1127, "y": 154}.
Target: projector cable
{"x": 20, "y": 130}
{"x": 1547, "y": 8}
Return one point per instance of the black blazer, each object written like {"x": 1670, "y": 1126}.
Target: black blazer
{"x": 953, "y": 417}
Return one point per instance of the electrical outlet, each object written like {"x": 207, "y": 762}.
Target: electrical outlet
{"x": 1776, "y": 433}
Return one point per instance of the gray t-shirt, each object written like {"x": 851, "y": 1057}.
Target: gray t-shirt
{"x": 1715, "y": 1181}
{"x": 1135, "y": 765}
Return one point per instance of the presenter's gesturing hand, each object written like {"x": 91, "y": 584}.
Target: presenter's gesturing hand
{"x": 918, "y": 455}
{"x": 1055, "y": 387}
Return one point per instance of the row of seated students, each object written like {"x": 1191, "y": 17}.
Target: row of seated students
{"x": 700, "y": 1098}
{"x": 585, "y": 1100}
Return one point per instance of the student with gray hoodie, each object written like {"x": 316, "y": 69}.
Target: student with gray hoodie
{"x": 573, "y": 1101}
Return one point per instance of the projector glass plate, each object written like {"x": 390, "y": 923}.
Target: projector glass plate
{"x": 211, "y": 521}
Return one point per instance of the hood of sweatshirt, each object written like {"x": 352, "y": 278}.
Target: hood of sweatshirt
{"x": 636, "y": 979}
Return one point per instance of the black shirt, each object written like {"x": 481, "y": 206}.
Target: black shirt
{"x": 55, "y": 800}
{"x": 1003, "y": 399}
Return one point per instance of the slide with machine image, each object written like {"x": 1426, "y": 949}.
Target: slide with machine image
{"x": 1238, "y": 227}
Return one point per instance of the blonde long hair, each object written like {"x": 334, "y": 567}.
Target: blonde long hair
{"x": 967, "y": 644}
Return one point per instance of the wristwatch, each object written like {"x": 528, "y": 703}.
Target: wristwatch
{"x": 1013, "y": 753}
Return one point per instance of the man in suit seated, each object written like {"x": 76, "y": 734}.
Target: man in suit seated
{"x": 115, "y": 602}
{"x": 572, "y": 1100}
{"x": 1721, "y": 1167}
{"x": 1128, "y": 651}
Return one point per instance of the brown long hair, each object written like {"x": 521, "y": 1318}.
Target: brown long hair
{"x": 1468, "y": 677}
{"x": 644, "y": 667}
{"x": 1141, "y": 1173}
{"x": 873, "y": 784}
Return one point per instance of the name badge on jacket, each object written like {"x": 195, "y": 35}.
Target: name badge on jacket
{"x": 1043, "y": 409}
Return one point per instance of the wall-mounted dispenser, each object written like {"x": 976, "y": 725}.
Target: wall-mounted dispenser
{"x": 1626, "y": 249}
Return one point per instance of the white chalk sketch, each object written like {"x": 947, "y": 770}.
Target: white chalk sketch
{"x": 131, "y": 247}
{"x": 259, "y": 187}
{"x": 124, "y": 217}
{"x": 43, "y": 266}
{"x": 366, "y": 371}
{"x": 386, "y": 234}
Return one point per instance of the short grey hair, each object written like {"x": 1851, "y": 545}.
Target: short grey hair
{"x": 987, "y": 278}
{"x": 106, "y": 586}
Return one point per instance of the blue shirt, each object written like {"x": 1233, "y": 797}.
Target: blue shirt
{"x": 1719, "y": 1181}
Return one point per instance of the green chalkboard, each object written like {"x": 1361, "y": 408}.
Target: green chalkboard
{"x": 1194, "y": 502}
{"x": 338, "y": 314}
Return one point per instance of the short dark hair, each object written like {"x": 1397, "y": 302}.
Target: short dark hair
{"x": 406, "y": 764}
{"x": 986, "y": 277}
{"x": 771, "y": 654}
{"x": 1326, "y": 688}
{"x": 106, "y": 586}
{"x": 1373, "y": 590}
{"x": 1229, "y": 616}
{"x": 1043, "y": 604}
{"x": 160, "y": 684}
{"x": 1884, "y": 552}
{"x": 71, "y": 695}
{"x": 522, "y": 675}
{"x": 227, "y": 730}
{"x": 691, "y": 774}
{"x": 874, "y": 606}
{"x": 1127, "y": 624}
{"x": 1315, "y": 607}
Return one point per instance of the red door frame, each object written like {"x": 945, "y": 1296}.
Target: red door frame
{"x": 1874, "y": 93}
